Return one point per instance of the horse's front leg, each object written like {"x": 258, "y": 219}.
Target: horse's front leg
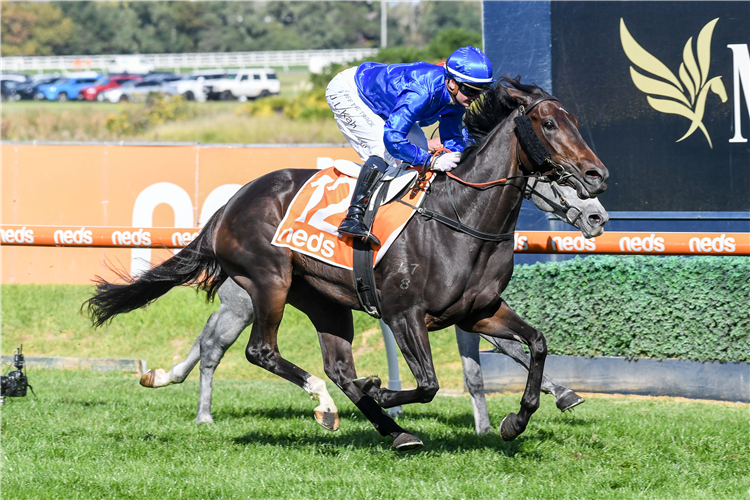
{"x": 505, "y": 323}
{"x": 566, "y": 398}
{"x": 412, "y": 338}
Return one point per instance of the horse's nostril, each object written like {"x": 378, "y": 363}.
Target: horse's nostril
{"x": 593, "y": 174}
{"x": 595, "y": 219}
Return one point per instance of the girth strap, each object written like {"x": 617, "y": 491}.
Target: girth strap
{"x": 364, "y": 274}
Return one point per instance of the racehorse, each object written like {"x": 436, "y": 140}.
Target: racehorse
{"x": 459, "y": 268}
{"x": 224, "y": 327}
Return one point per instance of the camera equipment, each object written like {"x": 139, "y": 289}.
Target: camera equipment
{"x": 15, "y": 384}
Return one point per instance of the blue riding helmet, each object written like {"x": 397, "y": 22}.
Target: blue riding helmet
{"x": 469, "y": 65}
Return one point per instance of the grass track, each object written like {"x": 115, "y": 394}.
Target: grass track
{"x": 102, "y": 436}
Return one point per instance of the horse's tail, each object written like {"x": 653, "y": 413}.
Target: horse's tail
{"x": 195, "y": 264}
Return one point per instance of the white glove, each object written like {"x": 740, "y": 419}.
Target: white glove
{"x": 447, "y": 161}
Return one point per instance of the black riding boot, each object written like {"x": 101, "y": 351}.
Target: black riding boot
{"x": 368, "y": 178}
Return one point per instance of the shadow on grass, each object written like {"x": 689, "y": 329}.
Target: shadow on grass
{"x": 459, "y": 436}
{"x": 435, "y": 443}
{"x": 466, "y": 420}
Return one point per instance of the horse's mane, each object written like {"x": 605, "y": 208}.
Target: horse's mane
{"x": 494, "y": 106}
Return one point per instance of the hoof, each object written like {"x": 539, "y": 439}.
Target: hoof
{"x": 206, "y": 419}
{"x": 367, "y": 383}
{"x": 407, "y": 442}
{"x": 508, "y": 429}
{"x": 147, "y": 380}
{"x": 568, "y": 400}
{"x": 155, "y": 378}
{"x": 328, "y": 419}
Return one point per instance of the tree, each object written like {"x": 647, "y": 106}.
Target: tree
{"x": 89, "y": 27}
{"x": 34, "y": 29}
{"x": 440, "y": 16}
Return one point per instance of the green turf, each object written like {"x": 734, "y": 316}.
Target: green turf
{"x": 88, "y": 436}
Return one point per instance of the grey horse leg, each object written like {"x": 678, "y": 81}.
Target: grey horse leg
{"x": 468, "y": 347}
{"x": 221, "y": 331}
{"x": 566, "y": 398}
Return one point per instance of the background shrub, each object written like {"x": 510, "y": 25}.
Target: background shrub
{"x": 639, "y": 306}
{"x": 310, "y": 105}
{"x": 134, "y": 119}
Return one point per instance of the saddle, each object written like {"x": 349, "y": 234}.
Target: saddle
{"x": 395, "y": 181}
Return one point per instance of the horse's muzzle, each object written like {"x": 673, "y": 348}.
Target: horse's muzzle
{"x": 592, "y": 182}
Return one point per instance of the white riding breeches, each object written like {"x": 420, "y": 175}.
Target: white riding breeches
{"x": 359, "y": 124}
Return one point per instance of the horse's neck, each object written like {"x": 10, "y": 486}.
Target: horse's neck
{"x": 494, "y": 210}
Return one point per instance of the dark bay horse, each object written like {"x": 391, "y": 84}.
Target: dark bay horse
{"x": 236, "y": 313}
{"x": 453, "y": 277}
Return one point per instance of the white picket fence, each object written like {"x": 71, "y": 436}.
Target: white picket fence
{"x": 176, "y": 62}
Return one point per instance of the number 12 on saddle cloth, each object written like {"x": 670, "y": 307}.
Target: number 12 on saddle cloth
{"x": 310, "y": 225}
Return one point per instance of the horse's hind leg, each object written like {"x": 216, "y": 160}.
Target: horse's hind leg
{"x": 468, "y": 348}
{"x": 505, "y": 323}
{"x": 566, "y": 398}
{"x": 335, "y": 332}
{"x": 222, "y": 330}
{"x": 262, "y": 349}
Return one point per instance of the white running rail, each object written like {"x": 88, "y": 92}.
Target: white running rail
{"x": 177, "y": 62}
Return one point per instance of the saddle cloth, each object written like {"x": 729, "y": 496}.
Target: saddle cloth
{"x": 310, "y": 225}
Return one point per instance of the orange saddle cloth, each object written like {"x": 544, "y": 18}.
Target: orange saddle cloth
{"x": 311, "y": 223}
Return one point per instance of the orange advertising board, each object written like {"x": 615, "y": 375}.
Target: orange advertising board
{"x": 541, "y": 242}
{"x": 125, "y": 186}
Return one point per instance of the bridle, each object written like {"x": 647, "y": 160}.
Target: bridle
{"x": 535, "y": 150}
{"x": 571, "y": 213}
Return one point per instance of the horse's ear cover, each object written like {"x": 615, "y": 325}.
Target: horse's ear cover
{"x": 530, "y": 141}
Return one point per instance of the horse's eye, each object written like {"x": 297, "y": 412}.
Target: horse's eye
{"x": 549, "y": 124}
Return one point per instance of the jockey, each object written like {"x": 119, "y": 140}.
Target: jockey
{"x": 381, "y": 108}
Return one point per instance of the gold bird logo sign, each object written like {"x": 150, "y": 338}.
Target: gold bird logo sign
{"x": 685, "y": 96}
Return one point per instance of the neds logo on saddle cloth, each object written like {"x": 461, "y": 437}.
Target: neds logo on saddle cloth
{"x": 311, "y": 223}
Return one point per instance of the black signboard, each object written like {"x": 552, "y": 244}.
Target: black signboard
{"x": 655, "y": 88}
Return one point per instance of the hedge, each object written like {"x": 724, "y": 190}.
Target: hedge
{"x": 695, "y": 308}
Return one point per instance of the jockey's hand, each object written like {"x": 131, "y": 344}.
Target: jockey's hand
{"x": 446, "y": 162}
{"x": 434, "y": 144}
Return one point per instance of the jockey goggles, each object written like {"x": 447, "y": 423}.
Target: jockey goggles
{"x": 468, "y": 90}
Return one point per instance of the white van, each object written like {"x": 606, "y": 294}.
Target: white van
{"x": 245, "y": 84}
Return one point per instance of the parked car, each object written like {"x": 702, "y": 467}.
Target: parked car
{"x": 245, "y": 84}
{"x": 133, "y": 64}
{"x": 208, "y": 74}
{"x": 189, "y": 87}
{"x": 135, "y": 91}
{"x": 8, "y": 90}
{"x": 28, "y": 89}
{"x": 64, "y": 89}
{"x": 160, "y": 77}
{"x": 14, "y": 77}
{"x": 95, "y": 91}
